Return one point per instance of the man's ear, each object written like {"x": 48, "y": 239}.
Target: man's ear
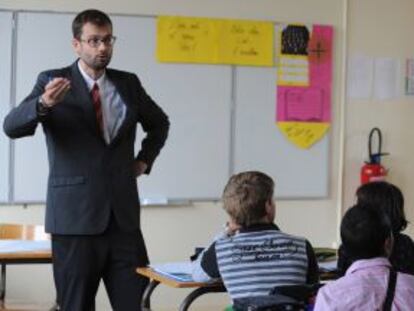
{"x": 76, "y": 45}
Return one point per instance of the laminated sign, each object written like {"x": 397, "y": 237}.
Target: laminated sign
{"x": 304, "y": 79}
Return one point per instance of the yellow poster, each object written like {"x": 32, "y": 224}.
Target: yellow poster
{"x": 246, "y": 43}
{"x": 303, "y": 134}
{"x": 214, "y": 41}
{"x": 186, "y": 40}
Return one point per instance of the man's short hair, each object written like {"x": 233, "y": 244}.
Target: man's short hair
{"x": 95, "y": 17}
{"x": 245, "y": 197}
{"x": 364, "y": 230}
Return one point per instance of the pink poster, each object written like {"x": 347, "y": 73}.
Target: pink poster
{"x": 312, "y": 102}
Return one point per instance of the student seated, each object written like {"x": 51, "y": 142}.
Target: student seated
{"x": 389, "y": 199}
{"x": 366, "y": 233}
{"x": 252, "y": 255}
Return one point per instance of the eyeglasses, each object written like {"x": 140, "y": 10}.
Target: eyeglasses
{"x": 95, "y": 42}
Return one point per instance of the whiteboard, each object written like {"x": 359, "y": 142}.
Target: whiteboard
{"x": 41, "y": 44}
{"x": 222, "y": 118}
{"x": 259, "y": 145}
{"x": 194, "y": 164}
{"x": 6, "y": 19}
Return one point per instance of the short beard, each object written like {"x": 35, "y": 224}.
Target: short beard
{"x": 96, "y": 64}
{"x": 100, "y": 65}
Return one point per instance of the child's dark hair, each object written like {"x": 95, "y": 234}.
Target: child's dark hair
{"x": 364, "y": 230}
{"x": 386, "y": 197}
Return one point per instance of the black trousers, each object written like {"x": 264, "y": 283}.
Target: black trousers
{"x": 81, "y": 261}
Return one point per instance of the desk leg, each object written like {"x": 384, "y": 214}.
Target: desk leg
{"x": 2, "y": 285}
{"x": 197, "y": 293}
{"x": 145, "y": 303}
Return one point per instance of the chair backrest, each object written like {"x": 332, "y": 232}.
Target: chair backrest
{"x": 22, "y": 232}
{"x": 280, "y": 298}
{"x": 299, "y": 292}
{"x": 274, "y": 302}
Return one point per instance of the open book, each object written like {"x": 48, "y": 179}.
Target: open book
{"x": 180, "y": 271}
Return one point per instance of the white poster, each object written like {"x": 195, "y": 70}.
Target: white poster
{"x": 360, "y": 77}
{"x": 409, "y": 77}
{"x": 386, "y": 78}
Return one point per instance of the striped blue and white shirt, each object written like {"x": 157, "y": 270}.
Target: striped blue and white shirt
{"x": 257, "y": 259}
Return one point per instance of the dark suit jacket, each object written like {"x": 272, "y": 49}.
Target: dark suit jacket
{"x": 88, "y": 178}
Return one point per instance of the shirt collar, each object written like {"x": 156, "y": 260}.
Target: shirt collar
{"x": 259, "y": 227}
{"x": 368, "y": 263}
{"x": 89, "y": 81}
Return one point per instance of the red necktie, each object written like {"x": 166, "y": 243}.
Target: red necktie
{"x": 96, "y": 99}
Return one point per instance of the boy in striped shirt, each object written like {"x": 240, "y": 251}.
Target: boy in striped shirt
{"x": 252, "y": 255}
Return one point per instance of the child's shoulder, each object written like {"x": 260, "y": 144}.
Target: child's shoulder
{"x": 251, "y": 236}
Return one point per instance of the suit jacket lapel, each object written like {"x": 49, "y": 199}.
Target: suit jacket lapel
{"x": 122, "y": 89}
{"x": 83, "y": 98}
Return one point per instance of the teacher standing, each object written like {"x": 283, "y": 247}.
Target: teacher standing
{"x": 89, "y": 114}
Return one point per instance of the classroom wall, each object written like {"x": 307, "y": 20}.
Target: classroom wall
{"x": 172, "y": 232}
{"x": 381, "y": 28}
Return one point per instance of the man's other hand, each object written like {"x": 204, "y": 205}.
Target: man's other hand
{"x": 140, "y": 168}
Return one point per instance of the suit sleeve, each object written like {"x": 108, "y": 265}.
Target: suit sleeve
{"x": 23, "y": 119}
{"x": 156, "y": 125}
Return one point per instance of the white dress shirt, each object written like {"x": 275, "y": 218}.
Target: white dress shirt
{"x": 113, "y": 108}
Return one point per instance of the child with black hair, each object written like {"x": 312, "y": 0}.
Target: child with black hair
{"x": 366, "y": 234}
{"x": 389, "y": 199}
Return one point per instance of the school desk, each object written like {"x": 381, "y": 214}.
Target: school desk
{"x": 200, "y": 288}
{"x": 21, "y": 244}
{"x": 157, "y": 278}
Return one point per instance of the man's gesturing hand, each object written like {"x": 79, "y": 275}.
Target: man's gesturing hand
{"x": 55, "y": 91}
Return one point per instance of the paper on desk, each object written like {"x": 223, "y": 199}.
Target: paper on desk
{"x": 16, "y": 246}
{"x": 328, "y": 266}
{"x": 180, "y": 271}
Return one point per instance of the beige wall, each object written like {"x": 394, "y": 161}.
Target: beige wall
{"x": 376, "y": 27}
{"x": 381, "y": 28}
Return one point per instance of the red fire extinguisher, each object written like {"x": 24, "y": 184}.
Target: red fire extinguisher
{"x": 373, "y": 170}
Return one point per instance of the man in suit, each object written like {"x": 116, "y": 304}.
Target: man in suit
{"x": 89, "y": 115}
